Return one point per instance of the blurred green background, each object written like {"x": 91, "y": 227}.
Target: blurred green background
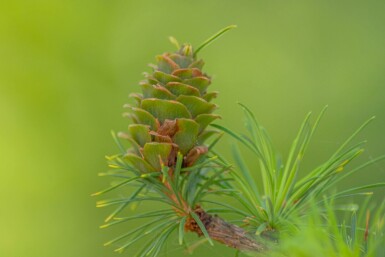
{"x": 66, "y": 68}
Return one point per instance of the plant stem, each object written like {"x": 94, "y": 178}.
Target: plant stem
{"x": 224, "y": 233}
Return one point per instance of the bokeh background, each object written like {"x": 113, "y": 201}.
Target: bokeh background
{"x": 66, "y": 68}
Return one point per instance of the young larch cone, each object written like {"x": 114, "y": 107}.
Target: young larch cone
{"x": 172, "y": 113}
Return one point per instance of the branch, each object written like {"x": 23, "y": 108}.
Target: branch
{"x": 223, "y": 232}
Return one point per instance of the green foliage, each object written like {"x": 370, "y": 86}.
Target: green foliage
{"x": 189, "y": 185}
{"x": 283, "y": 193}
{"x": 325, "y": 233}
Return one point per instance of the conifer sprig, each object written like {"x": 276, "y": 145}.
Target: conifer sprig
{"x": 167, "y": 159}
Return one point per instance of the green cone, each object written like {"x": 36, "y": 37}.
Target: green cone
{"x": 172, "y": 113}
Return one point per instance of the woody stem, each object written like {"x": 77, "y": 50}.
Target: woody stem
{"x": 223, "y": 232}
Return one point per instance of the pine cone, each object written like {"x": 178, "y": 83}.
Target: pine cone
{"x": 171, "y": 114}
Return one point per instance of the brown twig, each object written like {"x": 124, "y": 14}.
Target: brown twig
{"x": 223, "y": 232}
